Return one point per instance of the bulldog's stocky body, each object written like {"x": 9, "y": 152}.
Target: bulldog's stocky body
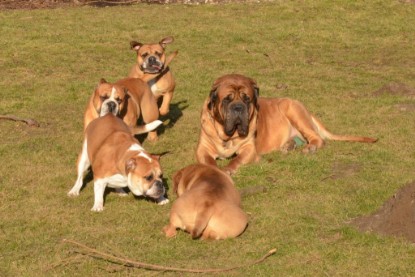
{"x": 117, "y": 161}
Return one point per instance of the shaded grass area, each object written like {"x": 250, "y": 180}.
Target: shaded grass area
{"x": 332, "y": 55}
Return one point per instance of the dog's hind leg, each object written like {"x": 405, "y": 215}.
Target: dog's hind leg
{"x": 82, "y": 166}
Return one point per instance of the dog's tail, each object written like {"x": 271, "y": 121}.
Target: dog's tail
{"x": 145, "y": 128}
{"x": 170, "y": 58}
{"x": 325, "y": 134}
{"x": 203, "y": 216}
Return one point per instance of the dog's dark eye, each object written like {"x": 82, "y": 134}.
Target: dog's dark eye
{"x": 158, "y": 54}
{"x": 149, "y": 177}
{"x": 144, "y": 55}
{"x": 103, "y": 98}
{"x": 119, "y": 100}
{"x": 245, "y": 98}
{"x": 228, "y": 98}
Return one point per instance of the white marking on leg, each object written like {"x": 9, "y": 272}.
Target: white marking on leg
{"x": 99, "y": 189}
{"x": 83, "y": 164}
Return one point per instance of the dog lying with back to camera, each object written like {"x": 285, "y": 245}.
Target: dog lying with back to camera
{"x": 129, "y": 99}
{"x": 152, "y": 67}
{"x": 208, "y": 204}
{"x": 236, "y": 121}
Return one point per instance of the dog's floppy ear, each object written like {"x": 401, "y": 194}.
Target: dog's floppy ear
{"x": 165, "y": 41}
{"x": 130, "y": 165}
{"x": 135, "y": 45}
{"x": 213, "y": 97}
{"x": 256, "y": 94}
{"x": 102, "y": 81}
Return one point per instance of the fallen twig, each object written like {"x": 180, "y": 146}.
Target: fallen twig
{"x": 127, "y": 262}
{"x": 29, "y": 121}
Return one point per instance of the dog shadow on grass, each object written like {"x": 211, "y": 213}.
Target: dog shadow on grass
{"x": 169, "y": 120}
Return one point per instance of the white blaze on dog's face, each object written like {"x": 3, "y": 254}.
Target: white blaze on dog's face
{"x": 145, "y": 175}
{"x": 109, "y": 98}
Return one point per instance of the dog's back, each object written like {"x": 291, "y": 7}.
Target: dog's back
{"x": 208, "y": 205}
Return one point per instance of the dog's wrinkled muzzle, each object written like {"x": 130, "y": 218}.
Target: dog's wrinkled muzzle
{"x": 237, "y": 120}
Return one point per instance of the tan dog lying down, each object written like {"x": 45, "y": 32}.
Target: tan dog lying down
{"x": 208, "y": 204}
{"x": 235, "y": 120}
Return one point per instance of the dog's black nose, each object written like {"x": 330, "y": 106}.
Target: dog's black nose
{"x": 158, "y": 184}
{"x": 238, "y": 107}
{"x": 152, "y": 60}
{"x": 111, "y": 107}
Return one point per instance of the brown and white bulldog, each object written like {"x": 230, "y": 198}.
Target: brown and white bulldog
{"x": 208, "y": 204}
{"x": 129, "y": 99}
{"x": 152, "y": 67}
{"x": 235, "y": 120}
{"x": 117, "y": 161}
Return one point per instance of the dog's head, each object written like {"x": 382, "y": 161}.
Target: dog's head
{"x": 151, "y": 57}
{"x": 145, "y": 175}
{"x": 109, "y": 98}
{"x": 233, "y": 102}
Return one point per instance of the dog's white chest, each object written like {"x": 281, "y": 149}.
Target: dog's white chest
{"x": 155, "y": 89}
{"x": 116, "y": 181}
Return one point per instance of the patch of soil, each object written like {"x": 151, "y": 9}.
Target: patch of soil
{"x": 50, "y": 4}
{"x": 399, "y": 89}
{"x": 395, "y": 218}
{"x": 406, "y": 107}
{"x": 344, "y": 170}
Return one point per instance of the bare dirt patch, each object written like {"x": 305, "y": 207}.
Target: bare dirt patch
{"x": 51, "y": 4}
{"x": 395, "y": 218}
{"x": 398, "y": 89}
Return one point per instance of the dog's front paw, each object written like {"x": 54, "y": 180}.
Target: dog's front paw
{"x": 162, "y": 201}
{"x": 163, "y": 111}
{"x": 152, "y": 136}
{"x": 310, "y": 149}
{"x": 97, "y": 208}
{"x": 170, "y": 231}
{"x": 73, "y": 193}
{"x": 229, "y": 170}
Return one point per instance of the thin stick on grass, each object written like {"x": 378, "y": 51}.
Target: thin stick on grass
{"x": 28, "y": 121}
{"x": 131, "y": 263}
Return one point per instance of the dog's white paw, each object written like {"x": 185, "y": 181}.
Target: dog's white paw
{"x": 73, "y": 193}
{"x": 162, "y": 201}
{"x": 97, "y": 208}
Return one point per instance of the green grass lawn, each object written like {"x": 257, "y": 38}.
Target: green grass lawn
{"x": 331, "y": 55}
